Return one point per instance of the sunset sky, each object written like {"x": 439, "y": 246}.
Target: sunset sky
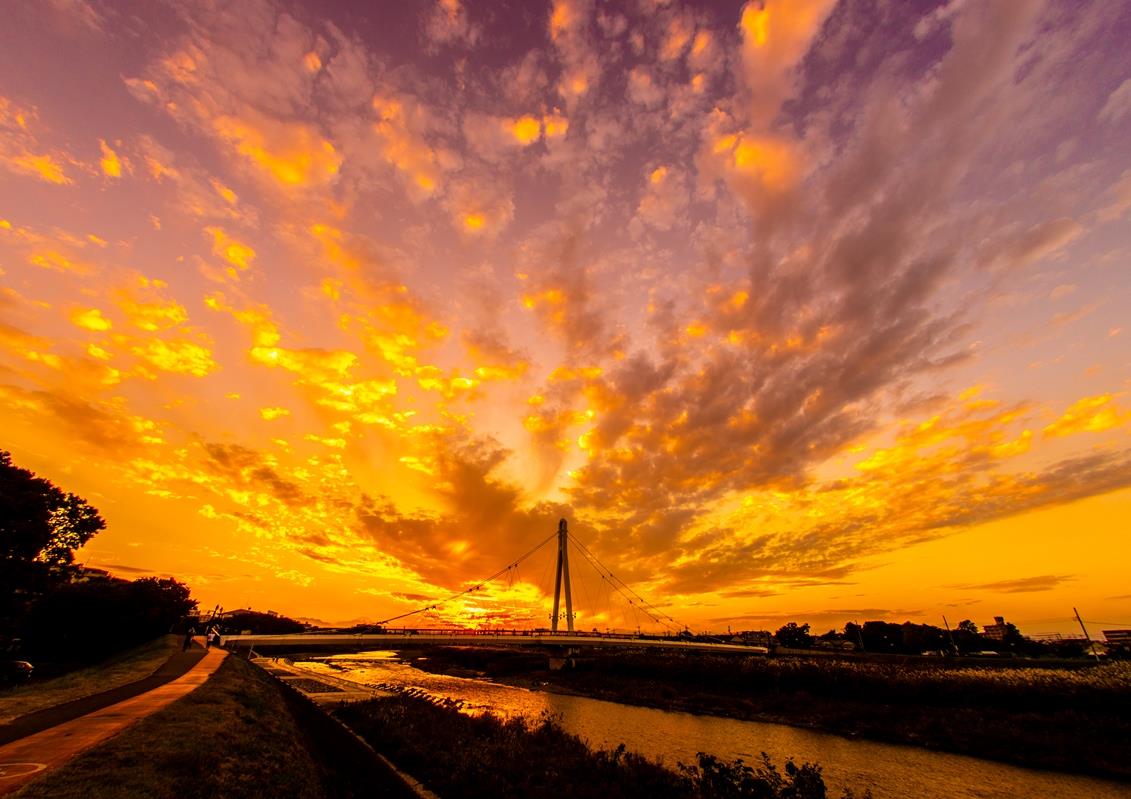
{"x": 796, "y": 310}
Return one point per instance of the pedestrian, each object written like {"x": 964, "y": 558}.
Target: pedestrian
{"x": 189, "y": 633}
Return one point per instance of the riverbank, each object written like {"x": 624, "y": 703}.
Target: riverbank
{"x": 1072, "y": 721}
{"x": 483, "y": 757}
{"x": 236, "y": 735}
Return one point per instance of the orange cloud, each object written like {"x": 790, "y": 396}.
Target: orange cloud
{"x": 20, "y": 150}
{"x": 226, "y": 193}
{"x": 1089, "y": 415}
{"x": 480, "y": 207}
{"x": 562, "y": 17}
{"x": 44, "y": 167}
{"x": 90, "y": 319}
{"x": 526, "y": 130}
{"x": 145, "y": 309}
{"x": 766, "y": 162}
{"x": 110, "y": 163}
{"x": 236, "y": 253}
{"x": 177, "y": 356}
{"x": 405, "y": 147}
{"x": 775, "y": 36}
{"x": 293, "y": 154}
{"x": 59, "y": 262}
{"x": 555, "y": 125}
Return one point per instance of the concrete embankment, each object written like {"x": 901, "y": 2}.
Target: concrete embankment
{"x": 311, "y": 696}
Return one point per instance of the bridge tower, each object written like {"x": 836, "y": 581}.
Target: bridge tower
{"x": 562, "y": 575}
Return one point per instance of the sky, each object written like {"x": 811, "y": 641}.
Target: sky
{"x": 805, "y": 310}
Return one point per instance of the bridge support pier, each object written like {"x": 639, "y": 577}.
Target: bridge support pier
{"x": 563, "y": 657}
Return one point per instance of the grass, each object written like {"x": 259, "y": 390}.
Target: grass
{"x": 126, "y": 667}
{"x": 232, "y": 737}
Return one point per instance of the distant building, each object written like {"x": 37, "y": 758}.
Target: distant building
{"x": 753, "y": 637}
{"x": 997, "y": 630}
{"x": 1118, "y": 640}
{"x": 88, "y": 573}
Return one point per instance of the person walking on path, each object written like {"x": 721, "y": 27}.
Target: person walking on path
{"x": 189, "y": 633}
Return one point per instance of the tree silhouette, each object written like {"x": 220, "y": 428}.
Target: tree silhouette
{"x": 38, "y": 520}
{"x": 793, "y": 636}
{"x": 88, "y": 619}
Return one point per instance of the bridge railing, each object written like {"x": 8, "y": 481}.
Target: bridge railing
{"x": 496, "y": 631}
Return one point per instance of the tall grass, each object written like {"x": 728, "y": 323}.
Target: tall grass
{"x": 1103, "y": 687}
{"x": 483, "y": 757}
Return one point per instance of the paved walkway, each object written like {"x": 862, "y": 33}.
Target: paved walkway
{"x": 103, "y": 716}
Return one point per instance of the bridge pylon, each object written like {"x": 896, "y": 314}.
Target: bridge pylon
{"x": 562, "y": 576}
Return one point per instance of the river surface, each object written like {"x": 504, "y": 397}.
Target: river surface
{"x": 891, "y": 771}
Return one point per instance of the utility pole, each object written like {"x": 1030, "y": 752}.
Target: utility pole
{"x": 950, "y": 635}
{"x": 562, "y": 572}
{"x": 1088, "y": 638}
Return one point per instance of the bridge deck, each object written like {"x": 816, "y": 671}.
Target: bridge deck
{"x": 395, "y": 640}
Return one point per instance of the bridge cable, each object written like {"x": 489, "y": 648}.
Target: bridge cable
{"x": 476, "y": 587}
{"x": 636, "y": 608}
{"x": 646, "y": 603}
{"x": 639, "y": 604}
{"x": 643, "y": 603}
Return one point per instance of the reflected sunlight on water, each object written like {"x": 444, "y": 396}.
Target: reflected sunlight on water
{"x": 892, "y": 772}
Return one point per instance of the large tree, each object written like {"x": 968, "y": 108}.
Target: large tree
{"x": 793, "y": 636}
{"x": 93, "y": 617}
{"x": 38, "y": 520}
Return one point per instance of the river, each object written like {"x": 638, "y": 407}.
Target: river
{"x": 891, "y": 771}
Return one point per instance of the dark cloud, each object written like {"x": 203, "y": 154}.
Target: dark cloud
{"x": 484, "y": 521}
{"x": 101, "y": 426}
{"x": 826, "y": 616}
{"x": 1021, "y": 585}
{"x": 117, "y": 567}
{"x": 248, "y": 468}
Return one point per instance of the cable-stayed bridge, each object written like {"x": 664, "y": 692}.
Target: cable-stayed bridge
{"x": 470, "y": 631}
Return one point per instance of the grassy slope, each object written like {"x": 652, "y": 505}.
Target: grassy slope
{"x": 234, "y": 736}
{"x": 123, "y": 668}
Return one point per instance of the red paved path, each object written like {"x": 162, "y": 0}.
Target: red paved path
{"x": 23, "y": 760}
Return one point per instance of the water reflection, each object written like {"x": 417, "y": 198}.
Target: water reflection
{"x": 892, "y": 772}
